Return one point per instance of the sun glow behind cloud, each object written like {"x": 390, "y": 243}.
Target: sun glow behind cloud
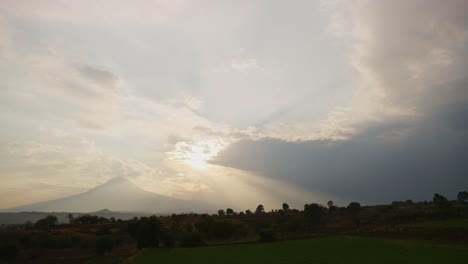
{"x": 197, "y": 154}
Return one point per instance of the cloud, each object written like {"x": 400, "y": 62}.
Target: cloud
{"x": 401, "y": 60}
{"x": 70, "y": 161}
{"x": 185, "y": 187}
{"x": 29, "y": 148}
{"x": 148, "y": 85}
{"x": 97, "y": 75}
{"x": 145, "y": 13}
{"x": 244, "y": 65}
{"x": 388, "y": 162}
{"x": 404, "y": 135}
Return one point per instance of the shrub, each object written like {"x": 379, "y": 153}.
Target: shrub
{"x": 223, "y": 230}
{"x": 75, "y": 240}
{"x": 8, "y": 251}
{"x": 267, "y": 235}
{"x": 313, "y": 213}
{"x": 46, "y": 223}
{"x": 87, "y": 219}
{"x": 192, "y": 239}
{"x": 103, "y": 231}
{"x": 103, "y": 244}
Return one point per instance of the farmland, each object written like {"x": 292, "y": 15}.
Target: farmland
{"x": 316, "y": 250}
{"x": 404, "y": 232}
{"x": 446, "y": 223}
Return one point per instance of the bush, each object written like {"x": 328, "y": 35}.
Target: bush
{"x": 168, "y": 240}
{"x": 87, "y": 243}
{"x": 103, "y": 244}
{"x": 440, "y": 201}
{"x": 75, "y": 240}
{"x": 192, "y": 239}
{"x": 313, "y": 213}
{"x": 223, "y": 230}
{"x": 62, "y": 242}
{"x": 46, "y": 241}
{"x": 267, "y": 235}
{"x": 86, "y": 219}
{"x": 103, "y": 231}
{"x": 148, "y": 234}
{"x": 8, "y": 251}
{"x": 354, "y": 207}
{"x": 205, "y": 225}
{"x": 46, "y": 223}
{"x": 25, "y": 241}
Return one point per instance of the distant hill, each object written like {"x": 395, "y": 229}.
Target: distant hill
{"x": 23, "y": 217}
{"x": 117, "y": 194}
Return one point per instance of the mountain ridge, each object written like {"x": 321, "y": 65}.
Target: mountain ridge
{"x": 117, "y": 194}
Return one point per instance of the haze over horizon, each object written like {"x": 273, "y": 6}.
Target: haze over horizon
{"x": 238, "y": 102}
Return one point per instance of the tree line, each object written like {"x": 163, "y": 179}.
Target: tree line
{"x": 227, "y": 226}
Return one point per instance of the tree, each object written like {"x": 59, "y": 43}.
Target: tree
{"x": 221, "y": 212}
{"x": 148, "y": 231}
{"x": 103, "y": 220}
{"x": 267, "y": 235}
{"x": 87, "y": 219}
{"x": 248, "y": 212}
{"x": 28, "y": 224}
{"x": 260, "y": 209}
{"x": 313, "y": 212}
{"x": 331, "y": 206}
{"x": 462, "y": 196}
{"x": 70, "y": 218}
{"x": 285, "y": 207}
{"x": 440, "y": 200}
{"x": 229, "y": 211}
{"x": 46, "y": 223}
{"x": 354, "y": 207}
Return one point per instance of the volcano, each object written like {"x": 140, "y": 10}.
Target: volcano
{"x": 117, "y": 194}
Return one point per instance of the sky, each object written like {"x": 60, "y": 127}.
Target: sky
{"x": 239, "y": 102}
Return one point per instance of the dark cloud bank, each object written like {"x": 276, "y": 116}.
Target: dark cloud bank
{"x": 397, "y": 158}
{"x": 406, "y": 159}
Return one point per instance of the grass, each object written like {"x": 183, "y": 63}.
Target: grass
{"x": 318, "y": 250}
{"x": 459, "y": 223}
{"x": 108, "y": 259}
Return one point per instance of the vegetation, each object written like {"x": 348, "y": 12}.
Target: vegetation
{"x": 103, "y": 244}
{"x": 46, "y": 223}
{"x": 8, "y": 251}
{"x": 447, "y": 223}
{"x": 114, "y": 240}
{"x": 440, "y": 200}
{"x": 462, "y": 196}
{"x": 318, "y": 250}
{"x": 313, "y": 213}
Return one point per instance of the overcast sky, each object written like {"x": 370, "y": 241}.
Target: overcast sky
{"x": 242, "y": 102}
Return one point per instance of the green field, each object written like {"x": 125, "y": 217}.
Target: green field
{"x": 459, "y": 223}
{"x": 317, "y": 250}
